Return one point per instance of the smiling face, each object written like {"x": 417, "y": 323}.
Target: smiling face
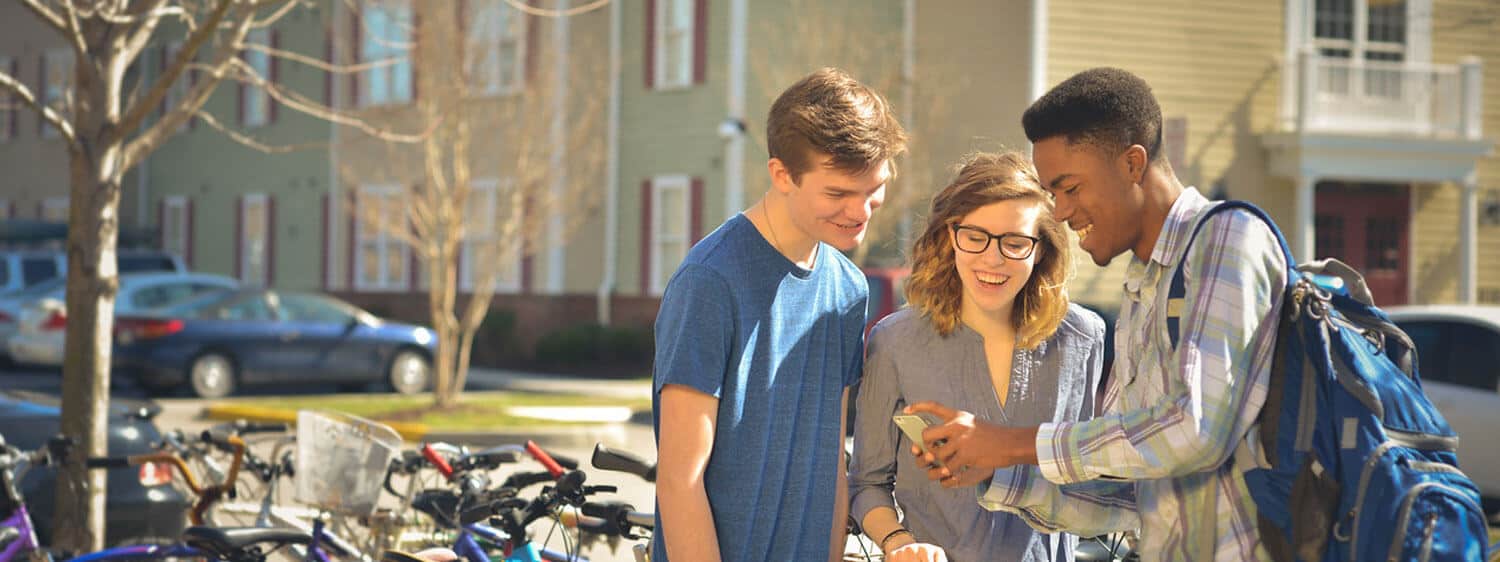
{"x": 834, "y": 206}
{"x": 1097, "y": 196}
{"x": 990, "y": 279}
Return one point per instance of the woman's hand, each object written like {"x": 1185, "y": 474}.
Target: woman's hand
{"x": 917, "y": 552}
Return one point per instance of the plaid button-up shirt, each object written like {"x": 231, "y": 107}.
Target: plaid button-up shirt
{"x": 1177, "y": 428}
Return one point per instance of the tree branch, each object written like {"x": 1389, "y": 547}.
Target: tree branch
{"x": 74, "y": 34}
{"x": 138, "y": 112}
{"x": 279, "y": 13}
{"x": 541, "y": 12}
{"x": 46, "y": 14}
{"x": 299, "y": 102}
{"x": 150, "y": 17}
{"x": 250, "y": 142}
{"x": 7, "y": 82}
{"x": 320, "y": 64}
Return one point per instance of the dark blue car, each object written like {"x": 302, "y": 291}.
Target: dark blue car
{"x": 222, "y": 341}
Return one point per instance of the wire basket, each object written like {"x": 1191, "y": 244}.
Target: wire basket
{"x": 342, "y": 460}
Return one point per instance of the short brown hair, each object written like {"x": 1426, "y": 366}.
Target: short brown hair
{"x": 935, "y": 289}
{"x": 830, "y": 112}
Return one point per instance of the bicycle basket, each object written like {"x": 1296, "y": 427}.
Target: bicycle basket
{"x": 342, "y": 460}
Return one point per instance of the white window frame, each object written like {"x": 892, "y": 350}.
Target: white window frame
{"x": 674, "y": 21}
{"x": 385, "y": 41}
{"x": 486, "y": 199}
{"x": 1417, "y": 48}
{"x": 179, "y": 89}
{"x": 252, "y": 273}
{"x": 661, "y": 271}
{"x": 8, "y": 109}
{"x": 175, "y": 225}
{"x": 498, "y": 32}
{"x": 52, "y": 206}
{"x": 257, "y": 102}
{"x": 57, "y": 86}
{"x": 388, "y": 246}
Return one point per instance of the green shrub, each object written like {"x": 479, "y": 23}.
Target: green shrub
{"x": 593, "y": 344}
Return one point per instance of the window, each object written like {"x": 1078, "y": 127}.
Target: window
{"x": 385, "y": 39}
{"x": 255, "y": 102}
{"x": 35, "y": 269}
{"x": 54, "y": 209}
{"x": 484, "y": 237}
{"x": 380, "y": 259}
{"x": 670, "y": 219}
{"x": 252, "y": 307}
{"x": 674, "y": 42}
{"x": 1382, "y": 38}
{"x": 141, "y": 263}
{"x": 309, "y": 308}
{"x": 254, "y": 265}
{"x": 157, "y": 296}
{"x": 179, "y": 89}
{"x": 176, "y": 226}
{"x": 57, "y": 86}
{"x": 9, "y": 105}
{"x": 1478, "y": 362}
{"x": 497, "y": 46}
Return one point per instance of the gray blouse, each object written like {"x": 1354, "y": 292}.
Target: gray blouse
{"x": 908, "y": 362}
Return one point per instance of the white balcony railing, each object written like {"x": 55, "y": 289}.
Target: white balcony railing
{"x": 1342, "y": 95}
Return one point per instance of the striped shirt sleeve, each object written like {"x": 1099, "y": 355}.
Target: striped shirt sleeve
{"x": 1086, "y": 508}
{"x": 1234, "y": 274}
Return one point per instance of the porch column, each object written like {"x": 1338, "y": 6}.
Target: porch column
{"x": 1303, "y": 244}
{"x": 1468, "y": 240}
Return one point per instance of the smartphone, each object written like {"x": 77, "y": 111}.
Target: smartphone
{"x": 912, "y": 425}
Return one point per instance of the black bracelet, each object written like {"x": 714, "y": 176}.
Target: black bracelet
{"x": 892, "y": 534}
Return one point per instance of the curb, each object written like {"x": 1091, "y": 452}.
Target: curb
{"x": 567, "y": 435}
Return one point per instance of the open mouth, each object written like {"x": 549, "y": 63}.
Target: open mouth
{"x": 1083, "y": 233}
{"x": 850, "y": 227}
{"x": 991, "y": 279}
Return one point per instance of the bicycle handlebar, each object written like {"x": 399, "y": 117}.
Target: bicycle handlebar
{"x": 546, "y": 460}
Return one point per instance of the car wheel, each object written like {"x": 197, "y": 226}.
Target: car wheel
{"x": 410, "y": 373}
{"x": 212, "y": 376}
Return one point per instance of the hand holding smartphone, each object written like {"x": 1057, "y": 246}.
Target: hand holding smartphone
{"x": 912, "y": 425}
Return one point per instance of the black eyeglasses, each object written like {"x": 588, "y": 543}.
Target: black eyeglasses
{"x": 976, "y": 240}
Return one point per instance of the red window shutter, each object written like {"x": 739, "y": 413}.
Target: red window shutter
{"x": 239, "y": 236}
{"x": 415, "y": 54}
{"x": 161, "y": 69}
{"x": 270, "y": 240}
{"x": 41, "y": 97}
{"x": 695, "y": 210}
{"x": 192, "y": 78}
{"x": 356, "y": 28}
{"x": 527, "y": 260}
{"x": 323, "y": 248}
{"x": 700, "y": 41}
{"x": 650, "y": 61}
{"x": 161, "y": 220}
{"x": 532, "y": 26}
{"x": 187, "y": 233}
{"x": 646, "y": 237}
{"x": 243, "y": 89}
{"x": 15, "y": 70}
{"x": 328, "y": 75}
{"x": 351, "y": 242}
{"x": 275, "y": 71}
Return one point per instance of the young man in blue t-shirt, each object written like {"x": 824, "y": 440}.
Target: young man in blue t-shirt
{"x": 760, "y": 334}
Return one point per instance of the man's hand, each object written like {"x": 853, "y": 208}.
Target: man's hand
{"x": 970, "y": 449}
{"x": 917, "y": 552}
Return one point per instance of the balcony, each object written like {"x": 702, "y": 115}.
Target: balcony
{"x": 1334, "y": 95}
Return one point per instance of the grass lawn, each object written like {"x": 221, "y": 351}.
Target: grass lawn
{"x": 476, "y": 410}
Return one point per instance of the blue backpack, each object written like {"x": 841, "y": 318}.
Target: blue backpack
{"x": 1362, "y": 466}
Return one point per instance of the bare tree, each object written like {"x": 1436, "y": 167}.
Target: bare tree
{"x": 106, "y": 126}
{"x": 493, "y": 98}
{"x": 863, "y": 37}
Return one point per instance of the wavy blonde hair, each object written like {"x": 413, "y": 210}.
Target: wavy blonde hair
{"x": 934, "y": 288}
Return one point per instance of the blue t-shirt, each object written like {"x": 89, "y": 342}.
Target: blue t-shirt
{"x": 777, "y": 345}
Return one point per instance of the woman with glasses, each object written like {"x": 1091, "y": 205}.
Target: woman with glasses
{"x": 988, "y": 329}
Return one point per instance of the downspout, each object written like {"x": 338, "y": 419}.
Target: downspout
{"x": 734, "y": 149}
{"x": 557, "y": 256}
{"x": 611, "y": 170}
{"x": 908, "y": 90}
{"x": 1038, "y": 48}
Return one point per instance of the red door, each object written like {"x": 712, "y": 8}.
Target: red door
{"x": 1367, "y": 227}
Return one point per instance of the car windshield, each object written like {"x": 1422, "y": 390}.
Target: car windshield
{"x": 40, "y": 290}
{"x": 191, "y": 306}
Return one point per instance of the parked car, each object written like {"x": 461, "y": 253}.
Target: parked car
{"x": 20, "y": 269}
{"x": 216, "y": 343}
{"x": 11, "y": 305}
{"x": 141, "y": 505}
{"x": 42, "y": 327}
{"x": 1458, "y": 355}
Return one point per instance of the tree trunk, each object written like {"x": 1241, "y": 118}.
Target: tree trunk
{"x": 93, "y": 226}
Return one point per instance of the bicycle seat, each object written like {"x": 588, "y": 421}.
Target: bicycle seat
{"x": 226, "y": 541}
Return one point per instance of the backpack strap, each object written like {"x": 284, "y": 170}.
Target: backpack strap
{"x": 1177, "y": 291}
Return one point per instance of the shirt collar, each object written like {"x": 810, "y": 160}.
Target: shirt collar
{"x": 1170, "y": 244}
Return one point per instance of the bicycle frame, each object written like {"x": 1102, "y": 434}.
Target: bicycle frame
{"x": 468, "y": 548}
{"x": 20, "y": 521}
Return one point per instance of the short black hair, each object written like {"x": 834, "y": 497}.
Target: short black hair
{"x": 1107, "y": 107}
